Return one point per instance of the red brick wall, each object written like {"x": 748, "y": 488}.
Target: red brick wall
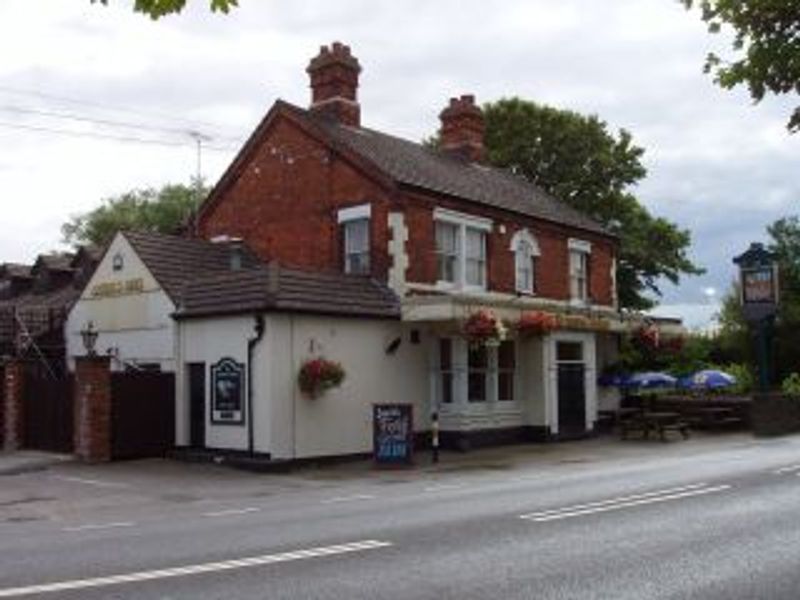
{"x": 552, "y": 267}
{"x": 284, "y": 203}
{"x": 93, "y": 409}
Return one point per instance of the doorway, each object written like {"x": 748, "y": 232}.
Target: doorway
{"x": 197, "y": 405}
{"x": 571, "y": 390}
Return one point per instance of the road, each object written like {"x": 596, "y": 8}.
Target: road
{"x": 693, "y": 521}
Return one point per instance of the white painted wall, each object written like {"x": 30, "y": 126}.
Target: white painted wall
{"x": 340, "y": 421}
{"x": 533, "y": 373}
{"x": 137, "y": 326}
{"x": 207, "y": 341}
{"x": 608, "y": 397}
{"x": 287, "y": 424}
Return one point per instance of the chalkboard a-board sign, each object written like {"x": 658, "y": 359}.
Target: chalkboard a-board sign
{"x": 393, "y": 433}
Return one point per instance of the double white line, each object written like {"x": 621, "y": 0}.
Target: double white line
{"x": 578, "y": 510}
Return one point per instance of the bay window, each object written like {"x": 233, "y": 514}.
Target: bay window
{"x": 474, "y": 376}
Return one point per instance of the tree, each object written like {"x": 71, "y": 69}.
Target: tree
{"x": 577, "y": 160}
{"x": 164, "y": 210}
{"x": 766, "y": 45}
{"x": 159, "y": 8}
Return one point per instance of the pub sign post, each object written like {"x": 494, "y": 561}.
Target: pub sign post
{"x": 758, "y": 284}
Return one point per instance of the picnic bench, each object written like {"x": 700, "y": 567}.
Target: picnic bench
{"x": 646, "y": 422}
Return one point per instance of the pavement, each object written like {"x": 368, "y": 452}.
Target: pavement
{"x": 27, "y": 461}
{"x": 499, "y": 458}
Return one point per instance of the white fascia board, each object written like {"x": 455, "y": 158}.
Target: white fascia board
{"x": 353, "y": 213}
{"x": 459, "y": 218}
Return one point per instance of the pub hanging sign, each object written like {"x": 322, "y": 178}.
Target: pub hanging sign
{"x": 759, "y": 282}
{"x": 227, "y": 392}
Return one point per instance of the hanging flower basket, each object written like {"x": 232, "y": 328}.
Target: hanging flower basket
{"x": 647, "y": 338}
{"x": 483, "y": 327}
{"x": 537, "y": 322}
{"x": 318, "y": 375}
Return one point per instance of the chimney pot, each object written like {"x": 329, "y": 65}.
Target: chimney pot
{"x": 334, "y": 76}
{"x": 463, "y": 128}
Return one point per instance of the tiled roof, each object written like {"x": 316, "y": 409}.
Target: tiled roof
{"x": 280, "y": 289}
{"x": 55, "y": 262}
{"x": 9, "y": 270}
{"x": 174, "y": 260}
{"x": 413, "y": 164}
{"x": 62, "y": 297}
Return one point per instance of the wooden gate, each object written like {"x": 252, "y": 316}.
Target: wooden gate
{"x": 48, "y": 408}
{"x": 142, "y": 414}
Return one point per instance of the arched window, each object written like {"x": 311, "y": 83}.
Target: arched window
{"x": 525, "y": 250}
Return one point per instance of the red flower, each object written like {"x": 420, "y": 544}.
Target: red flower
{"x": 318, "y": 375}
{"x": 537, "y": 322}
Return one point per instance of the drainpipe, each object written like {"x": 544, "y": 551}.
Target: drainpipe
{"x": 251, "y": 344}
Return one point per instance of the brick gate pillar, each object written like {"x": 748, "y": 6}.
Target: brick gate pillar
{"x": 93, "y": 408}
{"x": 14, "y": 405}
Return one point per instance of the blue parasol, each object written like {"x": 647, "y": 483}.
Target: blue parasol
{"x": 649, "y": 380}
{"x": 708, "y": 379}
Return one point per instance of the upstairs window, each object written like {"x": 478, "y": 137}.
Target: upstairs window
{"x": 355, "y": 224}
{"x": 579, "y": 253}
{"x": 475, "y": 257}
{"x": 525, "y": 250}
{"x": 447, "y": 251}
{"x": 461, "y": 249}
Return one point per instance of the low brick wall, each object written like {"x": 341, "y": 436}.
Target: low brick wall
{"x": 775, "y": 414}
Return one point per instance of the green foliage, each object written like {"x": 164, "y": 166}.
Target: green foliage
{"x": 577, "y": 160}
{"x": 694, "y": 356}
{"x": 156, "y": 9}
{"x": 791, "y": 385}
{"x": 766, "y": 46}
{"x": 745, "y": 379}
{"x": 164, "y": 210}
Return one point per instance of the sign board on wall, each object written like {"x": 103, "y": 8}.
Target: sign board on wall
{"x": 227, "y": 392}
{"x": 109, "y": 289}
{"x": 393, "y": 433}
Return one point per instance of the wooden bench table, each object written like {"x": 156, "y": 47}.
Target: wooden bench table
{"x": 660, "y": 422}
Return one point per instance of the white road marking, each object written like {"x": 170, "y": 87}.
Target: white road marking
{"x": 232, "y": 511}
{"x": 617, "y": 500}
{"x": 443, "y": 487}
{"x": 95, "y": 526}
{"x": 94, "y": 482}
{"x": 353, "y": 498}
{"x": 227, "y": 565}
{"x": 789, "y": 469}
{"x": 653, "y": 498}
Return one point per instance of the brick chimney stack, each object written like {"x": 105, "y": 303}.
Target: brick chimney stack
{"x": 334, "y": 84}
{"x": 462, "y": 128}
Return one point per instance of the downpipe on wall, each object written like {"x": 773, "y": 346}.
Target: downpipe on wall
{"x": 258, "y": 329}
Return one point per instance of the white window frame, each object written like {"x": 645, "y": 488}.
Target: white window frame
{"x": 460, "y": 371}
{"x": 351, "y": 214}
{"x": 463, "y": 222}
{"x": 582, "y": 249}
{"x": 523, "y": 236}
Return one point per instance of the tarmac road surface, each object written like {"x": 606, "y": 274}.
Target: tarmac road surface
{"x": 717, "y": 520}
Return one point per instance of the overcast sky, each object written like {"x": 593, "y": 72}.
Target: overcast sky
{"x": 717, "y": 164}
